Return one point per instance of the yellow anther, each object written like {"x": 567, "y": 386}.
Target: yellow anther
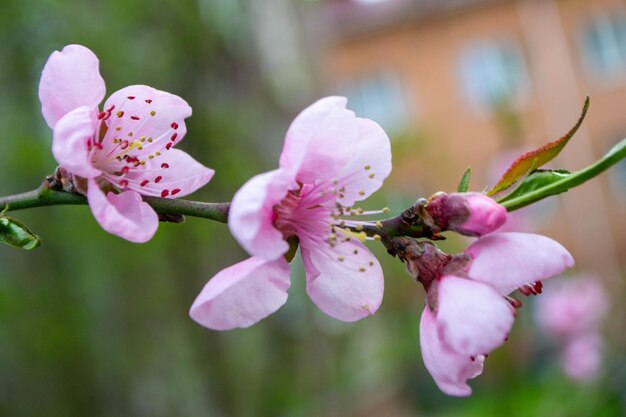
{"x": 118, "y": 128}
{"x": 157, "y": 153}
{"x": 386, "y": 210}
{"x": 143, "y": 138}
{"x": 341, "y": 259}
{"x": 360, "y": 210}
{"x": 152, "y": 113}
{"x": 372, "y": 175}
{"x": 150, "y": 156}
{"x": 367, "y": 167}
{"x": 362, "y": 269}
{"x": 150, "y": 140}
{"x": 371, "y": 263}
{"x": 376, "y": 237}
{"x": 379, "y": 224}
{"x": 359, "y": 227}
{"x": 361, "y": 193}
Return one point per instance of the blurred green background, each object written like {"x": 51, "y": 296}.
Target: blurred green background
{"x": 91, "y": 325}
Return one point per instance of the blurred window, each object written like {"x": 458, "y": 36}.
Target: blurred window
{"x": 493, "y": 74}
{"x": 603, "y": 45}
{"x": 379, "y": 96}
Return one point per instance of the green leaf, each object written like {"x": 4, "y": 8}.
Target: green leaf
{"x": 536, "y": 158}
{"x": 17, "y": 235}
{"x": 464, "y": 184}
{"x": 536, "y": 180}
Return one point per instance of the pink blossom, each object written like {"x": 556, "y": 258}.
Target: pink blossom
{"x": 581, "y": 357}
{"x": 470, "y": 214}
{"x": 124, "y": 151}
{"x": 468, "y": 312}
{"x": 572, "y": 306}
{"x": 331, "y": 159}
{"x": 572, "y": 312}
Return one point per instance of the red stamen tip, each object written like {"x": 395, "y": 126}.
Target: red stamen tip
{"x": 158, "y": 179}
{"x": 165, "y": 193}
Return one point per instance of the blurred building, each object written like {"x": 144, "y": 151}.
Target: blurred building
{"x": 462, "y": 83}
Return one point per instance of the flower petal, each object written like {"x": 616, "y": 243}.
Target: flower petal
{"x": 69, "y": 143}
{"x": 345, "y": 281}
{"x": 242, "y": 294}
{"x": 70, "y": 79}
{"x": 175, "y": 174}
{"x": 154, "y": 118}
{"x": 510, "y": 260}
{"x": 449, "y": 369}
{"x": 252, "y": 214}
{"x": 366, "y": 170}
{"x": 124, "y": 214}
{"x": 320, "y": 140}
{"x": 472, "y": 318}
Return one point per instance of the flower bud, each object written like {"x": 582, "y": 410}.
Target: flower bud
{"x": 470, "y": 214}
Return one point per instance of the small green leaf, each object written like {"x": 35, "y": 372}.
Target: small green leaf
{"x": 536, "y": 158}
{"x": 17, "y": 235}
{"x": 464, "y": 184}
{"x": 536, "y": 180}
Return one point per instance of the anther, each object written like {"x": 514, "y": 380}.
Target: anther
{"x": 175, "y": 191}
{"x": 131, "y": 97}
{"x": 341, "y": 259}
{"x": 119, "y": 113}
{"x": 174, "y": 136}
{"x": 168, "y": 146}
{"x": 144, "y": 183}
{"x": 367, "y": 167}
{"x": 123, "y": 183}
{"x": 362, "y": 269}
{"x": 377, "y": 237}
{"x": 148, "y": 101}
{"x": 372, "y": 175}
{"x": 164, "y": 165}
{"x": 386, "y": 210}
{"x": 174, "y": 125}
{"x": 361, "y": 193}
{"x": 152, "y": 113}
{"x": 165, "y": 193}
{"x": 379, "y": 224}
{"x": 158, "y": 179}
{"x": 134, "y": 117}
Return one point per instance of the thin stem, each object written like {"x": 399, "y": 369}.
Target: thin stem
{"x": 44, "y": 196}
{"x": 616, "y": 154}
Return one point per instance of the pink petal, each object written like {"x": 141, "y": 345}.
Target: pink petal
{"x": 366, "y": 170}
{"x": 70, "y": 79}
{"x": 449, "y": 369}
{"x": 69, "y": 144}
{"x": 344, "y": 281}
{"x": 145, "y": 114}
{"x": 242, "y": 294}
{"x": 485, "y": 215}
{"x": 321, "y": 139}
{"x": 124, "y": 214}
{"x": 472, "y": 318}
{"x": 252, "y": 214}
{"x": 510, "y": 260}
{"x": 174, "y": 174}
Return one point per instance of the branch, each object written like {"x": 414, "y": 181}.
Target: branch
{"x": 45, "y": 196}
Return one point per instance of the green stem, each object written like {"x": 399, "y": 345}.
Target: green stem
{"x": 616, "y": 154}
{"x": 44, "y": 196}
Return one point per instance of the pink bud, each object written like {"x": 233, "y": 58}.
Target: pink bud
{"x": 470, "y": 214}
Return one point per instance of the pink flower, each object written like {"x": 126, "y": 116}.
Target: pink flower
{"x": 470, "y": 214}
{"x": 581, "y": 357}
{"x": 468, "y": 312}
{"x": 573, "y": 312}
{"x": 572, "y": 307}
{"x": 127, "y": 149}
{"x": 331, "y": 159}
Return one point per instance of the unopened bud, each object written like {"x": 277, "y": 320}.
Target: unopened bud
{"x": 470, "y": 214}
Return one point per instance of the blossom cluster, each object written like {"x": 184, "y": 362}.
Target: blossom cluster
{"x": 331, "y": 160}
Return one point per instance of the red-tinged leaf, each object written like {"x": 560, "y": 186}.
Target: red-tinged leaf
{"x": 536, "y": 158}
